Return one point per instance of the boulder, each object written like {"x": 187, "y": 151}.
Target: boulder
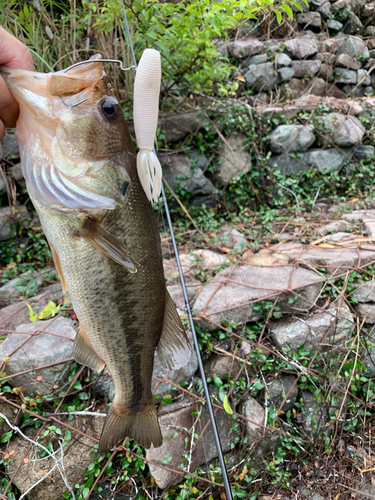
{"x": 282, "y": 60}
{"x": 325, "y": 57}
{"x": 333, "y": 258}
{"x": 303, "y": 69}
{"x": 324, "y": 160}
{"x": 179, "y": 125}
{"x": 353, "y": 46}
{"x": 325, "y": 10}
{"x": 245, "y": 48}
{"x": 333, "y": 227}
{"x": 37, "y": 344}
{"x": 233, "y": 239}
{"x": 77, "y": 457}
{"x": 234, "y": 159}
{"x": 182, "y": 176}
{"x": 365, "y": 291}
{"x": 366, "y": 312}
{"x": 317, "y": 331}
{"x": 232, "y": 293}
{"x": 311, "y": 20}
{"x": 263, "y": 77}
{"x": 258, "y": 59}
{"x": 175, "y": 422}
{"x": 222, "y": 366}
{"x": 347, "y": 76}
{"x": 255, "y": 414}
{"x": 283, "y": 388}
{"x": 285, "y": 74}
{"x": 175, "y": 291}
{"x": 344, "y": 131}
{"x": 313, "y": 413}
{"x": 267, "y": 258}
{"x": 301, "y": 47}
{"x": 347, "y": 61}
{"x": 291, "y": 138}
{"x": 17, "y": 174}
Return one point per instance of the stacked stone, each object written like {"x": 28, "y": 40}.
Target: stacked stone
{"x": 308, "y": 64}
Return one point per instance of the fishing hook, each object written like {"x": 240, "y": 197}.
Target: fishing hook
{"x": 74, "y": 105}
{"x": 100, "y": 60}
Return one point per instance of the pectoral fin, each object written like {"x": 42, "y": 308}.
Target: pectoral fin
{"x": 174, "y": 347}
{"x": 84, "y": 353}
{"x": 56, "y": 261}
{"x": 107, "y": 244}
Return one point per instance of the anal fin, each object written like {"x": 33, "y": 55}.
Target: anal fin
{"x": 107, "y": 244}
{"x": 56, "y": 261}
{"x": 174, "y": 347}
{"x": 84, "y": 353}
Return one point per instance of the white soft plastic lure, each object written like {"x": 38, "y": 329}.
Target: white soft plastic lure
{"x": 146, "y": 107}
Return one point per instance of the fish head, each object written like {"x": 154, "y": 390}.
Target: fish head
{"x": 72, "y": 135}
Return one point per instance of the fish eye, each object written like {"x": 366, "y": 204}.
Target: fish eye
{"x": 109, "y": 109}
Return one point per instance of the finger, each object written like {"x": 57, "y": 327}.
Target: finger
{"x": 13, "y": 54}
{"x": 2, "y": 130}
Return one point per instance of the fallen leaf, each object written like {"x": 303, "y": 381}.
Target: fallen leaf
{"x": 241, "y": 78}
{"x": 39, "y": 378}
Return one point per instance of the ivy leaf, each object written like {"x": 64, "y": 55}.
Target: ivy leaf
{"x": 227, "y": 407}
{"x": 6, "y": 437}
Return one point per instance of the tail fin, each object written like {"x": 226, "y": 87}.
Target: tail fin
{"x": 142, "y": 426}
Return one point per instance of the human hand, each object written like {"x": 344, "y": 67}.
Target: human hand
{"x": 13, "y": 54}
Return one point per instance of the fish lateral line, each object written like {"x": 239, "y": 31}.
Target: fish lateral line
{"x": 107, "y": 244}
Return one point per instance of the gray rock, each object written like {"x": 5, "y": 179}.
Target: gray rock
{"x": 309, "y": 494}
{"x": 9, "y": 147}
{"x": 353, "y": 46}
{"x": 368, "y": 492}
{"x": 364, "y": 152}
{"x": 346, "y": 76}
{"x": 309, "y": 20}
{"x": 222, "y": 366}
{"x": 284, "y": 387}
{"x": 313, "y": 413}
{"x": 222, "y": 47}
{"x": 363, "y": 78}
{"x": 369, "y": 31}
{"x": 353, "y": 25}
{"x": 17, "y": 174}
{"x": 261, "y": 76}
{"x": 337, "y": 259}
{"x": 30, "y": 282}
{"x": 234, "y": 159}
{"x": 326, "y": 160}
{"x": 179, "y": 173}
{"x": 346, "y": 61}
{"x": 53, "y": 343}
{"x": 198, "y": 160}
{"x": 291, "y": 138}
{"x": 245, "y": 48}
{"x": 285, "y": 74}
{"x": 364, "y": 292}
{"x": 227, "y": 299}
{"x": 258, "y": 59}
{"x": 106, "y": 388}
{"x": 301, "y": 47}
{"x": 282, "y": 60}
{"x": 253, "y": 411}
{"x": 327, "y": 45}
{"x": 3, "y": 188}
{"x": 303, "y": 69}
{"x": 325, "y": 57}
{"x": 366, "y": 312}
{"x": 326, "y": 72}
{"x": 178, "y": 126}
{"x": 9, "y": 220}
{"x": 175, "y": 291}
{"x": 369, "y": 363}
{"x": 369, "y": 90}
{"x": 342, "y": 130}
{"x": 76, "y": 459}
{"x": 175, "y": 421}
{"x": 334, "y": 25}
{"x": 271, "y": 45}
{"x": 316, "y": 332}
{"x": 325, "y": 11}
{"x": 333, "y": 227}
{"x": 231, "y": 238}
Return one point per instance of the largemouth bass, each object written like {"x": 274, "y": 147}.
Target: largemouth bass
{"x": 80, "y": 168}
